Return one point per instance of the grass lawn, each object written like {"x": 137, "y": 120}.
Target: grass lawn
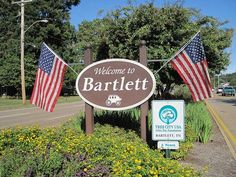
{"x": 13, "y": 103}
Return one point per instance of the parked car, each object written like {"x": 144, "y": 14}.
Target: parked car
{"x": 229, "y": 90}
{"x": 219, "y": 90}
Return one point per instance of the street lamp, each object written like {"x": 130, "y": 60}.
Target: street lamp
{"x": 23, "y": 52}
{"x": 43, "y": 21}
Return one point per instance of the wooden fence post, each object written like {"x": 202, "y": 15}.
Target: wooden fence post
{"x": 144, "y": 106}
{"x": 89, "y": 117}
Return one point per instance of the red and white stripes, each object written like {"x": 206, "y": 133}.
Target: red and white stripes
{"x": 47, "y": 88}
{"x": 195, "y": 75}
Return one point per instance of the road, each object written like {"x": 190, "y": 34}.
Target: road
{"x": 223, "y": 109}
{"x": 36, "y": 116}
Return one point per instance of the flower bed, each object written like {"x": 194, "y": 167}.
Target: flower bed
{"x": 67, "y": 151}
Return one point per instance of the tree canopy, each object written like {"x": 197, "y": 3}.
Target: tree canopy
{"x": 228, "y": 78}
{"x": 165, "y": 30}
{"x": 58, "y": 33}
{"x": 117, "y": 34}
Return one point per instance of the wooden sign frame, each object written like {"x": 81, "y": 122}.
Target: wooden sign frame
{"x": 89, "y": 110}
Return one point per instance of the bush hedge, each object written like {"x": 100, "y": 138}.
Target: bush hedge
{"x": 198, "y": 125}
{"x": 67, "y": 151}
{"x": 109, "y": 151}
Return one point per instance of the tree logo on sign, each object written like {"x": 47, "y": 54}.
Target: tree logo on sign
{"x": 168, "y": 114}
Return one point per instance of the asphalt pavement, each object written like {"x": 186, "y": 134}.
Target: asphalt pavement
{"x": 223, "y": 109}
{"x": 36, "y": 116}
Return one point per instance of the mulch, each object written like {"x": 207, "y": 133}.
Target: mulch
{"x": 213, "y": 157}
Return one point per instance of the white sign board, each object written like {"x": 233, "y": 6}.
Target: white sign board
{"x": 168, "y": 145}
{"x": 168, "y": 120}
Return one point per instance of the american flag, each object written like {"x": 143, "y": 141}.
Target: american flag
{"x": 49, "y": 79}
{"x": 191, "y": 65}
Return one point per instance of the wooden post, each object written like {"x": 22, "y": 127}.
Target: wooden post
{"x": 89, "y": 118}
{"x": 144, "y": 106}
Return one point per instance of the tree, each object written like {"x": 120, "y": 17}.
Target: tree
{"x": 165, "y": 31}
{"x": 229, "y": 78}
{"x": 94, "y": 33}
{"x": 57, "y": 33}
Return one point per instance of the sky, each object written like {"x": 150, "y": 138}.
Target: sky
{"x": 220, "y": 9}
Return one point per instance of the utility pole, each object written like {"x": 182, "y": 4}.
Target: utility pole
{"x": 22, "y": 4}
{"x": 218, "y": 82}
{"x": 22, "y": 64}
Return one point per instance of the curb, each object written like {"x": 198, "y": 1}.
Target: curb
{"x": 228, "y": 136}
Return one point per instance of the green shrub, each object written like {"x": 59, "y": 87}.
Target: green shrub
{"x": 185, "y": 146}
{"x": 67, "y": 151}
{"x": 182, "y": 92}
{"x": 199, "y": 119}
{"x": 128, "y": 119}
{"x": 194, "y": 130}
{"x": 110, "y": 151}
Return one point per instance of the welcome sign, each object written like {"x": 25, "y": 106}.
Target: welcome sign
{"x": 115, "y": 84}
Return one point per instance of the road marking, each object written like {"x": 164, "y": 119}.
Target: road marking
{"x": 228, "y": 136}
{"x": 68, "y": 115}
{"x": 14, "y": 115}
{"x": 80, "y": 103}
{"x": 12, "y": 110}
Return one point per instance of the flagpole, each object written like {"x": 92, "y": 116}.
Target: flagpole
{"x": 180, "y": 50}
{"x": 72, "y": 69}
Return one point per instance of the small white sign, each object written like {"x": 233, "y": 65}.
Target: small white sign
{"x": 168, "y": 120}
{"x": 168, "y": 145}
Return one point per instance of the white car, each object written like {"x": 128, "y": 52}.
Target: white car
{"x": 113, "y": 99}
{"x": 219, "y": 90}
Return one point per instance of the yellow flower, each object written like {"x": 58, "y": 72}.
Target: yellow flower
{"x": 139, "y": 167}
{"x": 151, "y": 172}
{"x": 172, "y": 171}
{"x": 128, "y": 171}
{"x": 137, "y": 161}
{"x": 85, "y": 169}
